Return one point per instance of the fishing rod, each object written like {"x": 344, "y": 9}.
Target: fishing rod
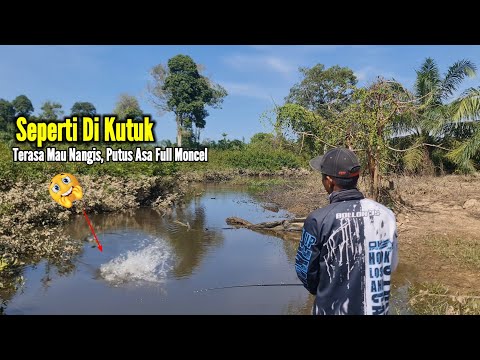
{"x": 249, "y": 285}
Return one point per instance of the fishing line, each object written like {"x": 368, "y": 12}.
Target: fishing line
{"x": 249, "y": 285}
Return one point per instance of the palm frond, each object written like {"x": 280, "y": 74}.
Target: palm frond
{"x": 436, "y": 120}
{"x": 428, "y": 83}
{"x": 397, "y": 88}
{"x": 455, "y": 75}
{"x": 403, "y": 125}
{"x": 467, "y": 106}
{"x": 463, "y": 155}
{"x": 413, "y": 159}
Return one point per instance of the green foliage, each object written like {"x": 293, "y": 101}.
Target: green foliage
{"x": 298, "y": 123}
{"x": 365, "y": 125}
{"x": 51, "y": 111}
{"x": 464, "y": 155}
{"x": 323, "y": 110}
{"x": 466, "y": 110}
{"x": 127, "y": 107}
{"x": 264, "y": 141}
{"x": 236, "y": 144}
{"x": 82, "y": 108}
{"x": 262, "y": 138}
{"x": 225, "y": 144}
{"x": 323, "y": 91}
{"x": 413, "y": 159}
{"x": 248, "y": 158}
{"x": 7, "y": 173}
{"x": 180, "y": 88}
{"x": 434, "y": 125}
{"x": 165, "y": 143}
{"x": 22, "y": 105}
{"x": 258, "y": 159}
{"x": 260, "y": 185}
{"x": 7, "y": 114}
{"x": 467, "y": 106}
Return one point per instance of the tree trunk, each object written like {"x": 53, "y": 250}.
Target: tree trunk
{"x": 197, "y": 135}
{"x": 376, "y": 180}
{"x": 179, "y": 131}
{"x": 373, "y": 164}
{"x": 371, "y": 171}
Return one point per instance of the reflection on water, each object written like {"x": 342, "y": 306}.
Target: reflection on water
{"x": 152, "y": 263}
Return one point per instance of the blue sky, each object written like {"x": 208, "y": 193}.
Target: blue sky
{"x": 254, "y": 75}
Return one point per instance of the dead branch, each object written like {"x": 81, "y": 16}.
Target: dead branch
{"x": 416, "y": 146}
{"x": 276, "y": 226}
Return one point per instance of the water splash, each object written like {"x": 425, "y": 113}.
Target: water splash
{"x": 151, "y": 263}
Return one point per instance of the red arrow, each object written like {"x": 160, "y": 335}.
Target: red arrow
{"x": 93, "y": 231}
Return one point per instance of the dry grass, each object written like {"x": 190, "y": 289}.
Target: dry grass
{"x": 461, "y": 252}
{"x": 436, "y": 299}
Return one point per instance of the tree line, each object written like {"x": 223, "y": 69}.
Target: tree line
{"x": 424, "y": 130}
{"x": 127, "y": 107}
{"x": 427, "y": 129}
{"x": 177, "y": 87}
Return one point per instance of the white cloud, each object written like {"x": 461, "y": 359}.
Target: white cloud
{"x": 363, "y": 73}
{"x": 256, "y": 62}
{"x": 248, "y": 90}
{"x": 279, "y": 65}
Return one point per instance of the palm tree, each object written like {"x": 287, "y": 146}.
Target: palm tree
{"x": 430, "y": 127}
{"x": 466, "y": 110}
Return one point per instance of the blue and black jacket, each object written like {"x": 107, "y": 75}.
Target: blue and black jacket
{"x": 346, "y": 255}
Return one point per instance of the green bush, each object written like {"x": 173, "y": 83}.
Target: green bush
{"x": 256, "y": 157}
{"x": 262, "y": 159}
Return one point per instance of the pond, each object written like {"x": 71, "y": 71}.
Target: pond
{"x": 158, "y": 263}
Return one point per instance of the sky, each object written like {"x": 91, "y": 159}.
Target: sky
{"x": 256, "y": 77}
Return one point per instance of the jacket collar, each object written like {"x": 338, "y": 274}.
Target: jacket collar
{"x": 345, "y": 195}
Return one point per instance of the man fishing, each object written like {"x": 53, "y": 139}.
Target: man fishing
{"x": 348, "y": 249}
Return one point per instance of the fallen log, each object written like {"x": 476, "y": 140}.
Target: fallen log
{"x": 286, "y": 225}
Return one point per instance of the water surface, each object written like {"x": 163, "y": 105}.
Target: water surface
{"x": 154, "y": 263}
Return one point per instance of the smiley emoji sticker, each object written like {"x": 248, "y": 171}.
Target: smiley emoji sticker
{"x": 65, "y": 189}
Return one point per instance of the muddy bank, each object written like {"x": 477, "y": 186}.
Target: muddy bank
{"x": 30, "y": 219}
{"x": 232, "y": 174}
{"x": 439, "y": 241}
{"x": 298, "y": 197}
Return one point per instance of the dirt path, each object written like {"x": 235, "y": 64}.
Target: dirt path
{"x": 440, "y": 237}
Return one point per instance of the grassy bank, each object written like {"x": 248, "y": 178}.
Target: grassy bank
{"x": 29, "y": 218}
{"x": 251, "y": 158}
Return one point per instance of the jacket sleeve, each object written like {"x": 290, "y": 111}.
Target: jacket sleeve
{"x": 307, "y": 264}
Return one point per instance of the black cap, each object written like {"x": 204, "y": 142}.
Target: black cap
{"x": 337, "y": 162}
